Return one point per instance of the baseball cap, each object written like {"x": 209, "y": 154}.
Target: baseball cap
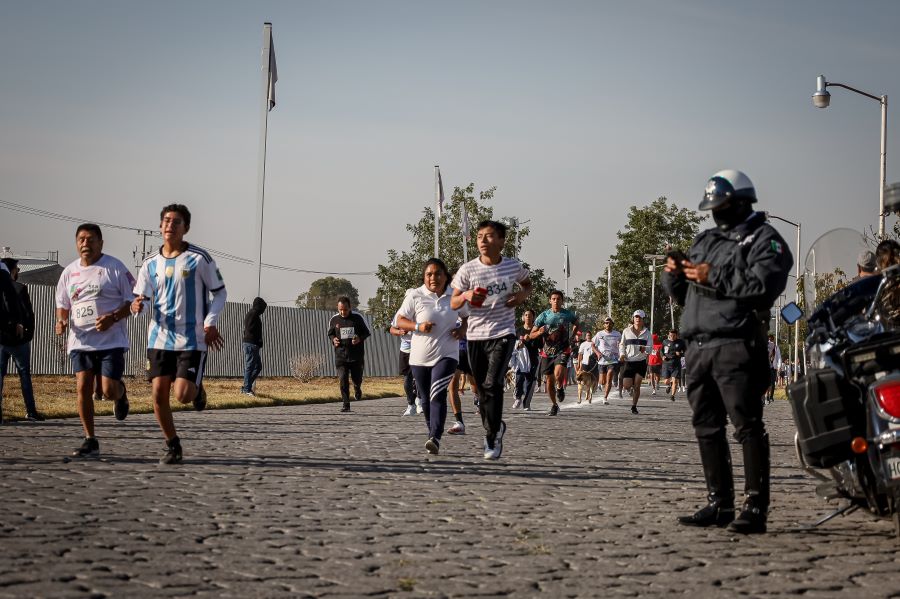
{"x": 866, "y": 260}
{"x": 639, "y": 313}
{"x": 608, "y": 319}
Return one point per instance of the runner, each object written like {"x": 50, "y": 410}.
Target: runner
{"x": 94, "y": 292}
{"x": 554, "y": 326}
{"x": 672, "y": 352}
{"x": 587, "y": 367}
{"x": 654, "y": 364}
{"x": 463, "y": 373}
{"x": 606, "y": 348}
{"x": 633, "y": 351}
{"x": 177, "y": 282}
{"x": 348, "y": 331}
{"x": 488, "y": 283}
{"x": 434, "y": 352}
{"x": 525, "y": 384}
{"x": 409, "y": 384}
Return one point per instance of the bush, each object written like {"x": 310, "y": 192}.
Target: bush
{"x": 305, "y": 367}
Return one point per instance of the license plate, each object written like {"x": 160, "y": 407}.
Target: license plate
{"x": 892, "y": 466}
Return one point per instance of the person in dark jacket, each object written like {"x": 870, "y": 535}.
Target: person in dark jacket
{"x": 15, "y": 342}
{"x": 727, "y": 283}
{"x": 252, "y": 344}
{"x": 348, "y": 333}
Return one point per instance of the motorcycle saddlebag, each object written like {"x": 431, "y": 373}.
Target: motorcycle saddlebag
{"x": 824, "y": 406}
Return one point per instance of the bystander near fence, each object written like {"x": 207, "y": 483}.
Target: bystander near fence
{"x": 291, "y": 335}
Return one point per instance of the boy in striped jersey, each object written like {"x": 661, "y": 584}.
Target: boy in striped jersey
{"x": 178, "y": 282}
{"x": 488, "y": 284}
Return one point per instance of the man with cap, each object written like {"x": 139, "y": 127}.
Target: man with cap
{"x": 634, "y": 348}
{"x": 727, "y": 283}
{"x": 865, "y": 264}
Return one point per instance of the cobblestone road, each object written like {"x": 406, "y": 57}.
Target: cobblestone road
{"x": 304, "y": 501}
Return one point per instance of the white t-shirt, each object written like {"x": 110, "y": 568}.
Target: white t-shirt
{"x": 422, "y": 305}
{"x": 608, "y": 346}
{"x": 493, "y": 319}
{"x": 178, "y": 289}
{"x": 89, "y": 292}
{"x": 585, "y": 351}
{"x": 635, "y": 346}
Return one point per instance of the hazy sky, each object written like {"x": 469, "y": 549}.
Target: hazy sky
{"x": 574, "y": 110}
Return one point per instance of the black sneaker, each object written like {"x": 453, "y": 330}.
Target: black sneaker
{"x": 433, "y": 446}
{"x": 120, "y": 408}
{"x": 498, "y": 440}
{"x": 35, "y": 417}
{"x": 200, "y": 400}
{"x": 89, "y": 449}
{"x": 345, "y": 408}
{"x": 173, "y": 452}
{"x": 97, "y": 396}
{"x": 560, "y": 394}
{"x": 554, "y": 410}
{"x": 634, "y": 410}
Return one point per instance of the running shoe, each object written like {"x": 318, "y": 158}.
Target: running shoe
{"x": 498, "y": 441}
{"x": 477, "y": 403}
{"x": 173, "y": 452}
{"x": 35, "y": 417}
{"x": 560, "y": 394}
{"x": 458, "y": 428}
{"x": 410, "y": 410}
{"x": 620, "y": 394}
{"x": 120, "y": 408}
{"x": 488, "y": 450}
{"x": 419, "y": 408}
{"x": 345, "y": 407}
{"x": 605, "y": 402}
{"x": 634, "y": 410}
{"x": 200, "y": 399}
{"x": 554, "y": 410}
{"x": 653, "y": 392}
{"x": 89, "y": 449}
{"x": 98, "y": 396}
{"x": 248, "y": 393}
{"x": 527, "y": 408}
{"x": 432, "y": 446}
{"x": 517, "y": 404}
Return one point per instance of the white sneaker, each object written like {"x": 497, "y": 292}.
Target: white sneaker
{"x": 605, "y": 402}
{"x": 620, "y": 394}
{"x": 410, "y": 410}
{"x": 419, "y": 408}
{"x": 653, "y": 392}
{"x": 488, "y": 451}
{"x": 517, "y": 404}
{"x": 458, "y": 428}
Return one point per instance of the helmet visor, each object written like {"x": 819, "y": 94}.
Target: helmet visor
{"x": 718, "y": 192}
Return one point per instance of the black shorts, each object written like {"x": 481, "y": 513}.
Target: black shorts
{"x": 549, "y": 364}
{"x": 671, "y": 368}
{"x": 109, "y": 363}
{"x": 404, "y": 363}
{"x": 463, "y": 364}
{"x": 185, "y": 364}
{"x": 654, "y": 369}
{"x": 633, "y": 369}
{"x": 613, "y": 368}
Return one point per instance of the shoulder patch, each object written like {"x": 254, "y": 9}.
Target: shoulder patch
{"x": 776, "y": 247}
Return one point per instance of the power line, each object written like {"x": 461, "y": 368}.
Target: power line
{"x": 64, "y": 217}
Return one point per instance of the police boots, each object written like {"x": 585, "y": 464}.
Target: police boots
{"x": 756, "y": 474}
{"x": 716, "y": 460}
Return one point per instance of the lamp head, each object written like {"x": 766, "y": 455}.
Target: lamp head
{"x": 822, "y": 98}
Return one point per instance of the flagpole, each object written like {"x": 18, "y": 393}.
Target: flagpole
{"x": 465, "y": 232}
{"x": 567, "y": 271}
{"x": 261, "y": 167}
{"x": 437, "y": 212}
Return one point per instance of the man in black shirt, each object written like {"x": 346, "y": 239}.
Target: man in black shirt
{"x": 525, "y": 385}
{"x": 252, "y": 344}
{"x": 673, "y": 349}
{"x": 18, "y": 346}
{"x": 348, "y": 332}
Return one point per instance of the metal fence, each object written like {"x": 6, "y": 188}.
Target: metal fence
{"x": 288, "y": 333}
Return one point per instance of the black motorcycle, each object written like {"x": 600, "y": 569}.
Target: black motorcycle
{"x": 847, "y": 405}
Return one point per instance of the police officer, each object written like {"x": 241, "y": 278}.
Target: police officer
{"x": 727, "y": 284}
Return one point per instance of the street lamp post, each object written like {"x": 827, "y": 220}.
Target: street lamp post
{"x": 797, "y": 300}
{"x": 822, "y": 98}
{"x": 609, "y": 287}
{"x": 654, "y": 258}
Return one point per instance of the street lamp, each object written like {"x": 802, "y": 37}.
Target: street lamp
{"x": 822, "y": 98}
{"x": 797, "y": 275}
{"x": 654, "y": 258}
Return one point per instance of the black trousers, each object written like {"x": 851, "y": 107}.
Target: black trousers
{"x": 727, "y": 379}
{"x": 345, "y": 372}
{"x": 489, "y": 360}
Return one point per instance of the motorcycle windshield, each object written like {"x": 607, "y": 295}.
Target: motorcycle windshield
{"x": 830, "y": 265}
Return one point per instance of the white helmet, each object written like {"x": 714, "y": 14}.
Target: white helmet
{"x": 725, "y": 186}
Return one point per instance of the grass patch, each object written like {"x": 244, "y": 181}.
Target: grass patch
{"x": 406, "y": 584}
{"x": 55, "y": 395}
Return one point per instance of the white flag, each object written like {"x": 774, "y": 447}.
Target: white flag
{"x": 440, "y": 206}
{"x": 566, "y": 268}
{"x": 273, "y": 71}
{"x": 465, "y": 223}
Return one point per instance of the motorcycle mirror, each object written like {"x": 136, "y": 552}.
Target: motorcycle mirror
{"x": 791, "y": 313}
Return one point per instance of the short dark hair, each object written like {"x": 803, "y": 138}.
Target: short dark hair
{"x": 887, "y": 254}
{"x": 440, "y": 264}
{"x": 561, "y": 295}
{"x": 11, "y": 263}
{"x": 499, "y": 227}
{"x": 345, "y": 300}
{"x": 95, "y": 229}
{"x": 180, "y": 209}
{"x": 673, "y": 331}
{"x": 527, "y": 311}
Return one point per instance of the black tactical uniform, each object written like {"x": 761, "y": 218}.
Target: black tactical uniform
{"x": 725, "y": 323}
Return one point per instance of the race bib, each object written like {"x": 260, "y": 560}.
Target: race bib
{"x": 84, "y": 315}
{"x": 347, "y": 333}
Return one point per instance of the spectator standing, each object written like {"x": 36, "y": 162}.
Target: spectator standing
{"x": 252, "y": 344}
{"x": 348, "y": 333}
{"x": 18, "y": 347}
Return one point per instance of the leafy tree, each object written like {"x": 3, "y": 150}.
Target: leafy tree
{"x": 324, "y": 293}
{"x": 403, "y": 269}
{"x": 653, "y": 229}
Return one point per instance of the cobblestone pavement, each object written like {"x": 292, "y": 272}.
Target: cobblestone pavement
{"x": 304, "y": 501}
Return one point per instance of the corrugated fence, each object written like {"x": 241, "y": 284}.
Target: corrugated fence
{"x": 288, "y": 333}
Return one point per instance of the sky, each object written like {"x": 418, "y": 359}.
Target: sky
{"x": 574, "y": 110}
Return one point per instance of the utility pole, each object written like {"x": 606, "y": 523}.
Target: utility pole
{"x": 654, "y": 258}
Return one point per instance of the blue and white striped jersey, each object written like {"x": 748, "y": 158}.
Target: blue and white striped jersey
{"x": 179, "y": 290}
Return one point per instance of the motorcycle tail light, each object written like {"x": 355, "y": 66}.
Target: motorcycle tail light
{"x": 888, "y": 395}
{"x": 859, "y": 445}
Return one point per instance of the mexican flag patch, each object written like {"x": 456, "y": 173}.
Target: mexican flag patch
{"x": 776, "y": 247}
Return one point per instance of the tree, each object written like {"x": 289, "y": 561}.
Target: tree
{"x": 403, "y": 269}
{"x": 324, "y": 293}
{"x": 653, "y": 229}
